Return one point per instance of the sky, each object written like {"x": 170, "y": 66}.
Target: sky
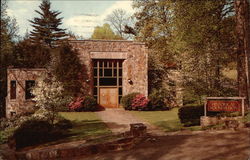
{"x": 79, "y": 16}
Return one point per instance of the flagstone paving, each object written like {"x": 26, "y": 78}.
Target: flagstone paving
{"x": 119, "y": 120}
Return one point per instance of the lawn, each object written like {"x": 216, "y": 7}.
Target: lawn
{"x": 86, "y": 125}
{"x": 166, "y": 120}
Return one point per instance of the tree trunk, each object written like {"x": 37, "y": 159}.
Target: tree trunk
{"x": 242, "y": 30}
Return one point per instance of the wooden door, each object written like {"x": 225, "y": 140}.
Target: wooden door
{"x": 109, "y": 97}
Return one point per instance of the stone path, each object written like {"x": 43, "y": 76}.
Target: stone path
{"x": 119, "y": 120}
{"x": 202, "y": 145}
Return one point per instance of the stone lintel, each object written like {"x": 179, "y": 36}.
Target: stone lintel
{"x": 108, "y": 55}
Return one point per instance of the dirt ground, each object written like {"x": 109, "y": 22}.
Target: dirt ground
{"x": 203, "y": 145}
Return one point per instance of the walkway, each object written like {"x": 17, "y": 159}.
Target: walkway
{"x": 119, "y": 120}
{"x": 202, "y": 145}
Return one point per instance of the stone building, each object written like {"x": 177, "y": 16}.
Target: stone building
{"x": 113, "y": 68}
{"x": 19, "y": 97}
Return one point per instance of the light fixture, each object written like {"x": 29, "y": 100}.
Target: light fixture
{"x": 130, "y": 81}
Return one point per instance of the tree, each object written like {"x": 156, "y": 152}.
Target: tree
{"x": 46, "y": 28}
{"x": 69, "y": 71}
{"x": 49, "y": 95}
{"x": 243, "y": 48}
{"x": 8, "y": 35}
{"x": 104, "y": 32}
{"x": 118, "y": 19}
{"x": 195, "y": 35}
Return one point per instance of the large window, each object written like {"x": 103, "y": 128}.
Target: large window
{"x": 12, "y": 89}
{"x": 107, "y": 73}
{"x": 28, "y": 86}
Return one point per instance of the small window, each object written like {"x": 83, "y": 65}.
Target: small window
{"x": 28, "y": 86}
{"x": 12, "y": 89}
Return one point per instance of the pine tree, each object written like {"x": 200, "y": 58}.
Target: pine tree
{"x": 46, "y": 28}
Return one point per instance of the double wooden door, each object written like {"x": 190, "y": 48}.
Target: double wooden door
{"x": 109, "y": 97}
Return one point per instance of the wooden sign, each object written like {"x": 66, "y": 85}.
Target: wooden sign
{"x": 228, "y": 104}
{"x": 223, "y": 105}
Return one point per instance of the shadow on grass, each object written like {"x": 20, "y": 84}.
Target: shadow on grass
{"x": 88, "y": 128}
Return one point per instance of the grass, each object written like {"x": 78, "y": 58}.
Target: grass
{"x": 86, "y": 125}
{"x": 247, "y": 117}
{"x": 166, "y": 120}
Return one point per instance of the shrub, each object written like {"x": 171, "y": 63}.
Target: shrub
{"x": 33, "y": 132}
{"x": 190, "y": 115}
{"x": 76, "y": 105}
{"x": 89, "y": 104}
{"x": 64, "y": 124}
{"x": 126, "y": 101}
{"x": 158, "y": 100}
{"x": 140, "y": 102}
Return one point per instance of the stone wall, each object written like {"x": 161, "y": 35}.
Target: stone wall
{"x": 20, "y": 104}
{"x": 135, "y": 65}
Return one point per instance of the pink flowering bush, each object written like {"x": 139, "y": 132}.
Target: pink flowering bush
{"x": 76, "y": 105}
{"x": 87, "y": 103}
{"x": 140, "y": 102}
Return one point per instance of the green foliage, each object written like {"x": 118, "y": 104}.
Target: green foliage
{"x": 69, "y": 71}
{"x": 196, "y": 35}
{"x": 89, "y": 104}
{"x": 9, "y": 31}
{"x": 46, "y": 30}
{"x": 64, "y": 124}
{"x": 104, "y": 32}
{"x": 190, "y": 115}
{"x": 126, "y": 101}
{"x": 31, "y": 56}
{"x": 160, "y": 100}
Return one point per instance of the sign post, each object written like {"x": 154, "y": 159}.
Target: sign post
{"x": 228, "y": 104}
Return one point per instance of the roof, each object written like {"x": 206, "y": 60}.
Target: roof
{"x": 106, "y": 40}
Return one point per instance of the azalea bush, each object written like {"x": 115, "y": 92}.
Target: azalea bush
{"x": 126, "y": 101}
{"x": 87, "y": 103}
{"x": 76, "y": 104}
{"x": 140, "y": 102}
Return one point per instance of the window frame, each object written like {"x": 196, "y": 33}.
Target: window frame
{"x": 28, "y": 94}
{"x": 13, "y": 92}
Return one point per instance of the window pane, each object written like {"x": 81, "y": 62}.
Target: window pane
{"x": 12, "y": 89}
{"x": 108, "y": 82}
{"x": 100, "y": 72}
{"x": 95, "y": 63}
{"x": 95, "y": 72}
{"x": 100, "y": 63}
{"x": 120, "y": 91}
{"x": 105, "y": 63}
{"x": 120, "y": 81}
{"x": 107, "y": 72}
{"x": 120, "y": 72}
{"x": 28, "y": 87}
{"x": 120, "y": 63}
{"x": 95, "y": 81}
